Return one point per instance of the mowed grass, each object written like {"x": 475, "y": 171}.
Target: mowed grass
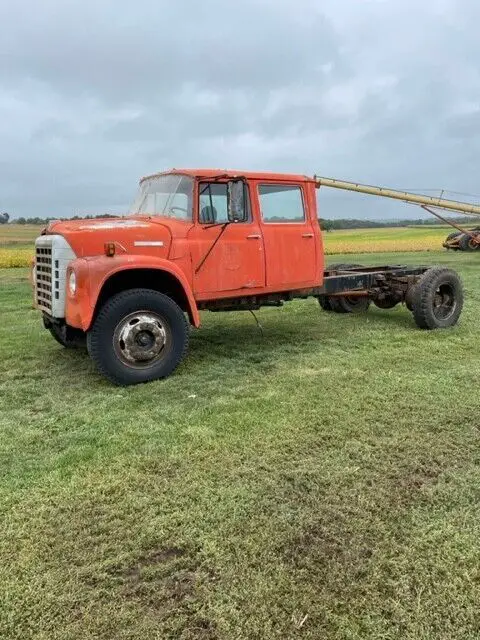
{"x": 16, "y": 241}
{"x": 320, "y": 481}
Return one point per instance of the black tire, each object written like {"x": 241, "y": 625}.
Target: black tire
{"x": 437, "y": 299}
{"x": 343, "y": 304}
{"x": 68, "y": 337}
{"x": 386, "y": 303}
{"x": 138, "y": 335}
{"x": 466, "y": 243}
{"x": 409, "y": 297}
{"x": 324, "y": 302}
{"x": 452, "y": 236}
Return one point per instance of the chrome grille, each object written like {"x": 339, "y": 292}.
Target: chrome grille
{"x": 43, "y": 280}
{"x": 52, "y": 257}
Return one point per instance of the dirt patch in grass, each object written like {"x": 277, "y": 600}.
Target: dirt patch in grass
{"x": 166, "y": 581}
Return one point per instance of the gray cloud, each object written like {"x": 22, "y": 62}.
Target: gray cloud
{"x": 95, "y": 94}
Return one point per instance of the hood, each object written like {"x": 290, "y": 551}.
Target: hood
{"x": 135, "y": 234}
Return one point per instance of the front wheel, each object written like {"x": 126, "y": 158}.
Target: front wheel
{"x": 67, "y": 336}
{"x": 139, "y": 335}
{"x": 437, "y": 299}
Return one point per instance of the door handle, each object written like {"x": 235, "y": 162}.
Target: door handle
{"x": 254, "y": 236}
{"x": 307, "y": 235}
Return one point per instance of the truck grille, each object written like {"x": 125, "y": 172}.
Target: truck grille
{"x": 43, "y": 282}
{"x": 52, "y": 256}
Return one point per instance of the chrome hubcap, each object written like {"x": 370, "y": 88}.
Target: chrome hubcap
{"x": 140, "y": 339}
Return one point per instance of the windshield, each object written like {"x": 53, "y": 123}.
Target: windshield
{"x": 167, "y": 195}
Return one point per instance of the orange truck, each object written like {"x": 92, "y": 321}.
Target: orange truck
{"x": 208, "y": 240}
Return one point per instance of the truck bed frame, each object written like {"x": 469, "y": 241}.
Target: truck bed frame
{"x": 391, "y": 282}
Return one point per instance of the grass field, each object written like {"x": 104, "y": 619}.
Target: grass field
{"x": 319, "y": 482}
{"x": 16, "y": 244}
{"x": 16, "y": 241}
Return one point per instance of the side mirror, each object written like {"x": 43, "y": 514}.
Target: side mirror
{"x": 236, "y": 201}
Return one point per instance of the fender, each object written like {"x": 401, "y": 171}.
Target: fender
{"x": 93, "y": 273}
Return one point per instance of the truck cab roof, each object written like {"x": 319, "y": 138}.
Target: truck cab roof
{"x": 234, "y": 173}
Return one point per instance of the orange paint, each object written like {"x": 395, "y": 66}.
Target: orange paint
{"x": 249, "y": 258}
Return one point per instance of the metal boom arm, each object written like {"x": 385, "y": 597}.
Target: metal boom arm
{"x": 405, "y": 196}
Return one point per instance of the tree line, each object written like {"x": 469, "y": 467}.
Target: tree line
{"x": 325, "y": 224}
{"x": 38, "y": 220}
{"x": 353, "y": 223}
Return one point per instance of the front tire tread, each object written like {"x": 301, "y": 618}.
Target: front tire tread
{"x": 100, "y": 336}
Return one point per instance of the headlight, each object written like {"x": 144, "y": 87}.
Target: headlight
{"x": 72, "y": 283}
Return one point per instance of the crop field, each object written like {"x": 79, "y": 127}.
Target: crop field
{"x": 390, "y": 239}
{"x": 16, "y": 244}
{"x": 317, "y": 481}
{"x": 16, "y": 241}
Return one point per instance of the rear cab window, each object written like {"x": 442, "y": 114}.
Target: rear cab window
{"x": 281, "y": 203}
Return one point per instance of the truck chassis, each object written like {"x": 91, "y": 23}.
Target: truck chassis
{"x": 433, "y": 294}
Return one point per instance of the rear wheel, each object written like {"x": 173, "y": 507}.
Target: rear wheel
{"x": 437, "y": 299}
{"x": 324, "y": 302}
{"x": 349, "y": 304}
{"x": 467, "y": 243}
{"x": 388, "y": 302}
{"x": 344, "y": 304}
{"x": 139, "y": 335}
{"x": 409, "y": 297}
{"x": 452, "y": 236}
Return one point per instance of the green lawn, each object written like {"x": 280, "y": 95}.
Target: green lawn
{"x": 319, "y": 482}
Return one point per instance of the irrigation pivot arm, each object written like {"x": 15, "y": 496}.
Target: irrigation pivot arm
{"x": 405, "y": 196}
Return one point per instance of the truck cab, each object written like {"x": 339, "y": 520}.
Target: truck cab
{"x": 193, "y": 240}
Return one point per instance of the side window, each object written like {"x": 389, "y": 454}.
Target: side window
{"x": 213, "y": 204}
{"x": 281, "y": 203}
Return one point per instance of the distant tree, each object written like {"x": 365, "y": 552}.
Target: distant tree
{"x": 326, "y": 225}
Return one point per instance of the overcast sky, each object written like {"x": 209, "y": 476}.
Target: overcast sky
{"x": 94, "y": 94}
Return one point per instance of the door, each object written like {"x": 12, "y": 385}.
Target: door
{"x": 288, "y": 235}
{"x": 227, "y": 256}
